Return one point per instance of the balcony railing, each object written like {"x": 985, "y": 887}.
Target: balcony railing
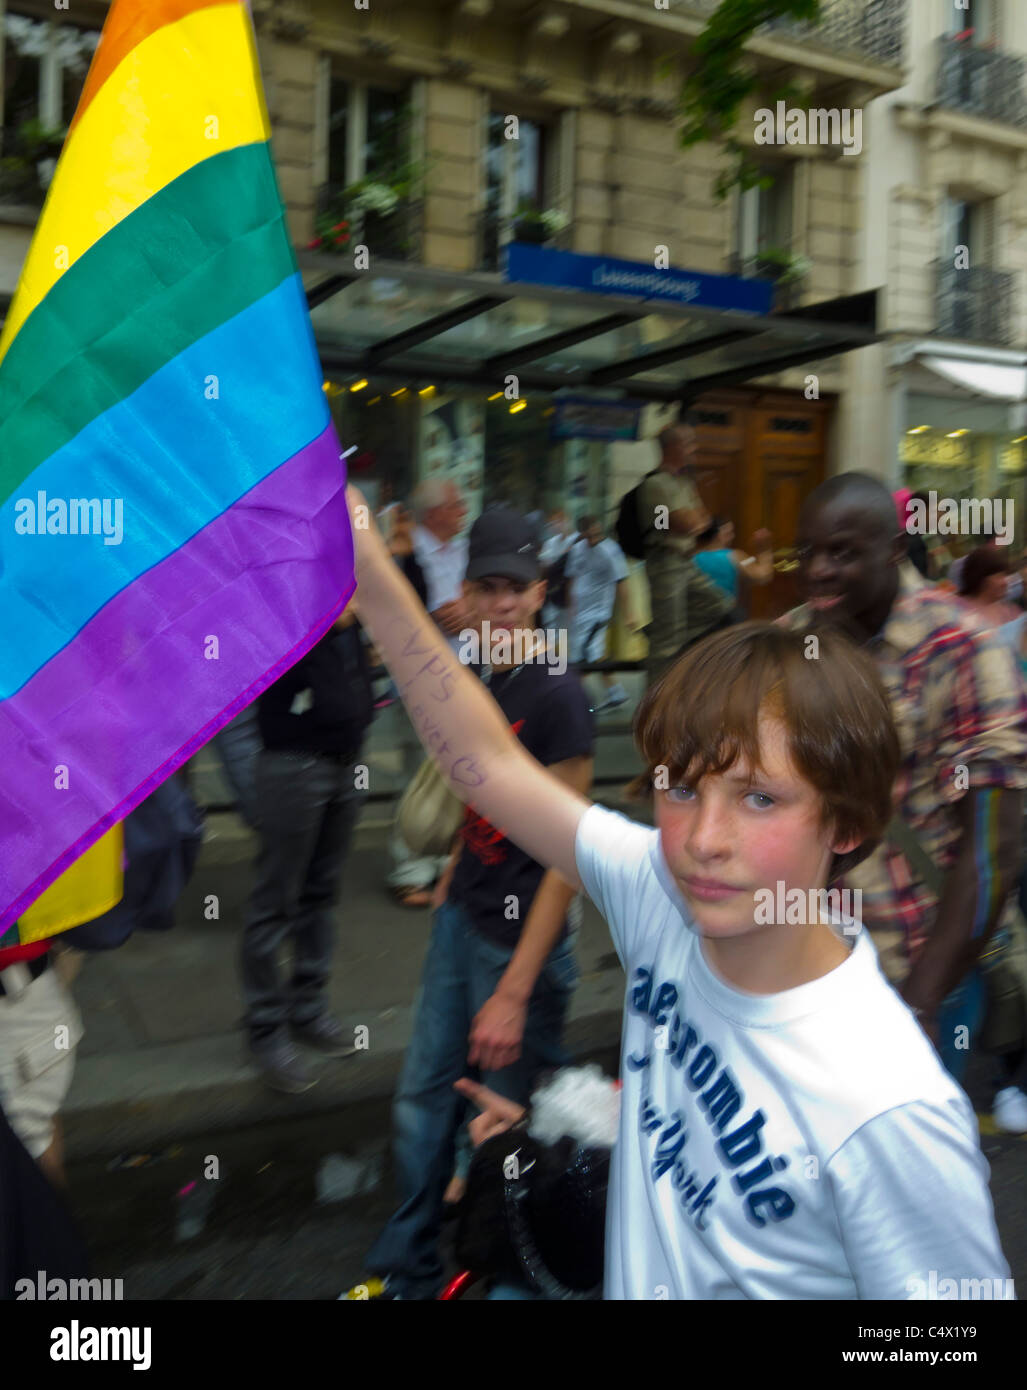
{"x": 982, "y": 82}
{"x": 787, "y": 293}
{"x": 867, "y": 28}
{"x": 396, "y": 237}
{"x": 975, "y": 304}
{"x": 491, "y": 240}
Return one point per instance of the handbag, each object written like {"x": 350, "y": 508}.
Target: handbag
{"x": 429, "y": 814}
{"x": 534, "y": 1210}
{"x": 1003, "y": 964}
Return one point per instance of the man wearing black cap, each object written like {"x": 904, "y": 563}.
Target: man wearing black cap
{"x": 500, "y": 965}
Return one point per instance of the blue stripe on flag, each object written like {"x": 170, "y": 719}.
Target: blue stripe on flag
{"x": 176, "y": 456}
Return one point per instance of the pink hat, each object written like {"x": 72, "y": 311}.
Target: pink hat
{"x": 902, "y": 499}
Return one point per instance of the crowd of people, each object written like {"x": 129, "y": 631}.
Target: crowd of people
{"x": 792, "y": 1122}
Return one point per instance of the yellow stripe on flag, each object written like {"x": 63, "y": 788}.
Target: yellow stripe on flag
{"x": 92, "y": 886}
{"x": 186, "y": 93}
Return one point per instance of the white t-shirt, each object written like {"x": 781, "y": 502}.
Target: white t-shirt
{"x": 801, "y": 1145}
{"x": 596, "y": 571}
{"x": 443, "y": 564}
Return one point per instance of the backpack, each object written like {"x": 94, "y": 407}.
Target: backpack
{"x": 627, "y": 528}
{"x": 556, "y": 580}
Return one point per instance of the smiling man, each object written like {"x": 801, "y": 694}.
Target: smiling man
{"x": 958, "y": 703}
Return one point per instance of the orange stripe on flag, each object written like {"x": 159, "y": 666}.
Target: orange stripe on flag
{"x": 128, "y": 23}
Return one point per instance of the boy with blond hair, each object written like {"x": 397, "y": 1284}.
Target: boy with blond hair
{"x": 787, "y": 1130}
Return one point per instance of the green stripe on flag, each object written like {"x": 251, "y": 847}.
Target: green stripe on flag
{"x": 193, "y": 256}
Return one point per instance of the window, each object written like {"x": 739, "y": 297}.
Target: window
{"x": 765, "y": 215}
{"x": 970, "y": 225}
{"x": 977, "y": 18}
{"x": 516, "y": 170}
{"x": 45, "y": 66}
{"x": 367, "y": 132}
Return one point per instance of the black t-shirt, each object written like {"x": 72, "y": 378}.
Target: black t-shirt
{"x": 324, "y": 703}
{"x": 550, "y": 715}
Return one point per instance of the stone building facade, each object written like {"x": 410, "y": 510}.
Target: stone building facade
{"x": 593, "y": 86}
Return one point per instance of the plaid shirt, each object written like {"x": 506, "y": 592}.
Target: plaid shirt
{"x": 959, "y": 702}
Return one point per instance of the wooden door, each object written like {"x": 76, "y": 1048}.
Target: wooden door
{"x": 760, "y": 455}
{"x": 786, "y": 461}
{"x": 720, "y": 441}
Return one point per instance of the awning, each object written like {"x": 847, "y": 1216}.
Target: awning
{"x": 1004, "y": 383}
{"x": 413, "y": 321}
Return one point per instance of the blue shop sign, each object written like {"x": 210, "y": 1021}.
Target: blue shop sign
{"x": 581, "y": 417}
{"x": 542, "y": 265}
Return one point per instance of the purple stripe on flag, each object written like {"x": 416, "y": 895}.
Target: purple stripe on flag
{"x": 166, "y": 663}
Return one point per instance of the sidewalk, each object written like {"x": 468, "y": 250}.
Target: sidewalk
{"x": 162, "y": 1058}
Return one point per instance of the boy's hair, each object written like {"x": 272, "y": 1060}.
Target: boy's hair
{"x": 842, "y": 739}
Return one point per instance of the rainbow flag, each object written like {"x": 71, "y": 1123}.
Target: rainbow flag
{"x": 173, "y": 526}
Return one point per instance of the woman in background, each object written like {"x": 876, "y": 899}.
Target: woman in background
{"x": 715, "y": 556}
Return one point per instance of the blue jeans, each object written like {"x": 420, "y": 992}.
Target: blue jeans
{"x": 461, "y": 972}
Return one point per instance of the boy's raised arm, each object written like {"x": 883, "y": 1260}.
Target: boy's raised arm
{"x": 456, "y": 719}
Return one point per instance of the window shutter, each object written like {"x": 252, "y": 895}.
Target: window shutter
{"x": 322, "y": 116}
{"x": 560, "y": 174}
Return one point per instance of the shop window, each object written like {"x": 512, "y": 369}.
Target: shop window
{"x": 45, "y": 66}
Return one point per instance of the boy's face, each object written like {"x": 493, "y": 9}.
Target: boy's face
{"x": 744, "y": 833}
{"x": 506, "y": 603}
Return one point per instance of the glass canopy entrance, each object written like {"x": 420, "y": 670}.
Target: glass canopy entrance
{"x": 413, "y": 321}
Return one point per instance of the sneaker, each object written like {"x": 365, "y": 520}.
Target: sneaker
{"x": 1010, "y": 1110}
{"x": 324, "y": 1035}
{"x": 616, "y": 695}
{"x": 391, "y": 1289}
{"x": 372, "y": 1287}
{"x": 280, "y": 1065}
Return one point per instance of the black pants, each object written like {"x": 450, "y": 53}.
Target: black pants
{"x": 306, "y": 808}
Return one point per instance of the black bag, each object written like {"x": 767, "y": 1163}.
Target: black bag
{"x": 627, "y": 528}
{"x": 556, "y": 580}
{"x": 163, "y": 836}
{"x": 536, "y": 1213}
